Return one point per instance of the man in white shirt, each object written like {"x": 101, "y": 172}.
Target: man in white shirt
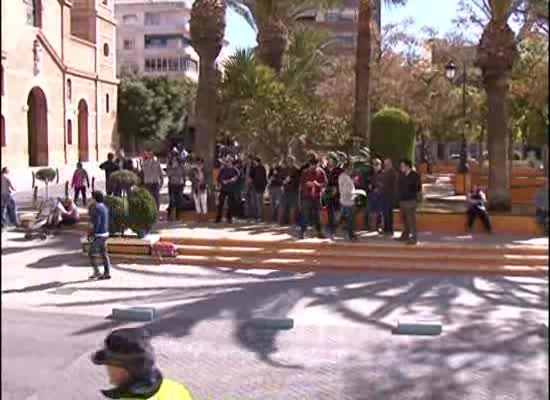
{"x": 347, "y": 201}
{"x": 66, "y": 213}
{"x": 9, "y": 208}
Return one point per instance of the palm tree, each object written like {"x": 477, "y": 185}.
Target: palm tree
{"x": 207, "y": 33}
{"x": 496, "y": 55}
{"x": 272, "y": 19}
{"x": 367, "y": 30}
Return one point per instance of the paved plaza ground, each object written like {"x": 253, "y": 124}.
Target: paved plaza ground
{"x": 341, "y": 347}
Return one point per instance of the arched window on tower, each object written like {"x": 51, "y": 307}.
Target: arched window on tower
{"x": 69, "y": 132}
{"x": 107, "y": 104}
{"x": 34, "y": 13}
{"x": 3, "y": 127}
{"x": 2, "y": 78}
{"x": 69, "y": 90}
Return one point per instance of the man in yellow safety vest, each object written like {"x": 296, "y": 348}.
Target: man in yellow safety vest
{"x": 130, "y": 361}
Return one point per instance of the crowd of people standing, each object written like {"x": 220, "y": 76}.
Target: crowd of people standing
{"x": 319, "y": 184}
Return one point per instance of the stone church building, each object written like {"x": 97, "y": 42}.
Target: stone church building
{"x": 58, "y": 81}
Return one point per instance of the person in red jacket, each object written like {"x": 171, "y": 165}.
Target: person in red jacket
{"x": 312, "y": 184}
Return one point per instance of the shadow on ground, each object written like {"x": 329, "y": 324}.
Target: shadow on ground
{"x": 275, "y": 296}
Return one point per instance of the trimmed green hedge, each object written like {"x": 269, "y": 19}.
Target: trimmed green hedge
{"x": 393, "y": 135}
{"x": 142, "y": 211}
{"x": 118, "y": 214}
{"x": 124, "y": 180}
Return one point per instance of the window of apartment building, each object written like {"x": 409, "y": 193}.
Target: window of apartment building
{"x": 34, "y": 13}
{"x": 172, "y": 41}
{"x": 69, "y": 131}
{"x": 107, "y": 103}
{"x": 155, "y": 42}
{"x": 152, "y": 18}
{"x": 3, "y": 131}
{"x": 129, "y": 19}
{"x": 129, "y": 44}
{"x": 69, "y": 89}
{"x": 347, "y": 16}
{"x": 170, "y": 64}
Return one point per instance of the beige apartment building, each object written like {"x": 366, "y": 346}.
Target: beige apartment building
{"x": 153, "y": 38}
{"x": 342, "y": 23}
{"x": 58, "y": 81}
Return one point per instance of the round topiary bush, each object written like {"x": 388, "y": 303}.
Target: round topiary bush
{"x": 118, "y": 214}
{"x": 123, "y": 180}
{"x": 46, "y": 175}
{"x": 142, "y": 211}
{"x": 393, "y": 135}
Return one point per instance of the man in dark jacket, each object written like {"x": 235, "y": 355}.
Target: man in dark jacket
{"x": 99, "y": 236}
{"x": 258, "y": 177}
{"x": 409, "y": 188}
{"x": 389, "y": 195}
{"x": 374, "y": 196}
{"x": 130, "y": 361}
{"x": 276, "y": 180}
{"x": 291, "y": 190}
{"x": 228, "y": 180}
{"x": 109, "y": 167}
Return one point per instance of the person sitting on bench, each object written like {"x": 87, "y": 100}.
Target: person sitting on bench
{"x": 66, "y": 213}
{"x": 477, "y": 202}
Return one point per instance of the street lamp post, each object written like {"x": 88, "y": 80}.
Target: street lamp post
{"x": 450, "y": 73}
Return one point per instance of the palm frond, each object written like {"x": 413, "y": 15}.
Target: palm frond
{"x": 244, "y": 8}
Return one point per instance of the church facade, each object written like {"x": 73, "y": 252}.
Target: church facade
{"x": 58, "y": 81}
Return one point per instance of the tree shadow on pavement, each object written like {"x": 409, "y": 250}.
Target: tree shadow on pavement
{"x": 364, "y": 298}
{"x": 480, "y": 360}
{"x": 44, "y": 286}
{"x": 61, "y": 260}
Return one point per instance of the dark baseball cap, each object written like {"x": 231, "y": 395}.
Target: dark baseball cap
{"x": 125, "y": 347}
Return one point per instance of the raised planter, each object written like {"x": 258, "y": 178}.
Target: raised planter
{"x": 126, "y": 245}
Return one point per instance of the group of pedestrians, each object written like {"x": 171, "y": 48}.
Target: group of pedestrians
{"x": 319, "y": 184}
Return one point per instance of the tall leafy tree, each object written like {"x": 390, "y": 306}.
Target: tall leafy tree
{"x": 207, "y": 33}
{"x": 368, "y": 31}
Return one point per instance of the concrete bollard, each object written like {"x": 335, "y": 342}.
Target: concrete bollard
{"x": 418, "y": 328}
{"x": 134, "y": 314}
{"x": 283, "y": 324}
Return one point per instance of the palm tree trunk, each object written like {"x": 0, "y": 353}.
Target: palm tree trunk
{"x": 272, "y": 43}
{"x": 207, "y": 113}
{"x": 361, "y": 117}
{"x": 498, "y": 145}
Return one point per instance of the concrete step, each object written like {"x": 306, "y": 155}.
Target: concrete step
{"x": 390, "y": 245}
{"x": 298, "y": 265}
{"x": 358, "y": 255}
